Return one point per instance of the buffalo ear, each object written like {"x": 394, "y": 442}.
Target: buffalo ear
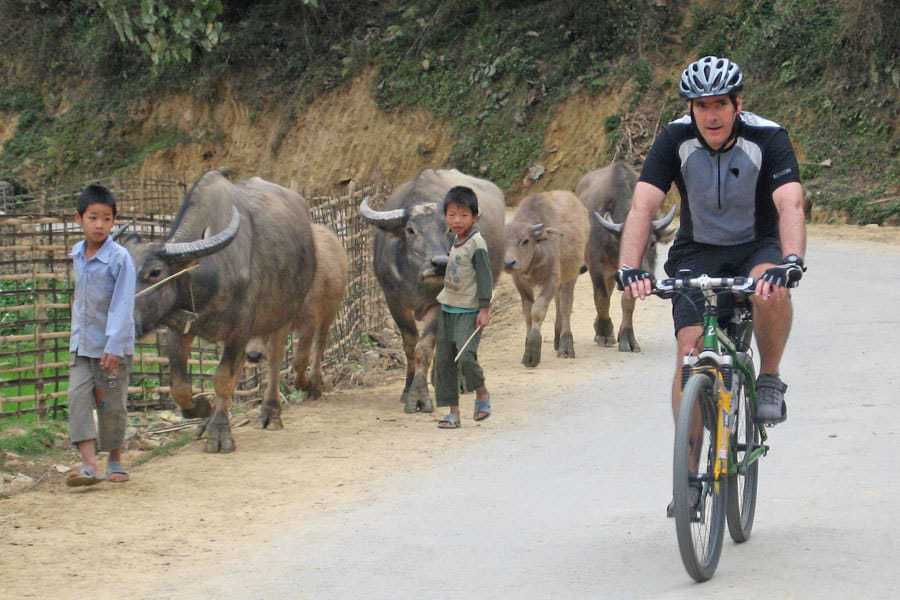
{"x": 665, "y": 236}
{"x": 130, "y": 239}
{"x": 548, "y": 231}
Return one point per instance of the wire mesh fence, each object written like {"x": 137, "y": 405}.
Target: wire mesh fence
{"x": 36, "y": 284}
{"x": 144, "y": 197}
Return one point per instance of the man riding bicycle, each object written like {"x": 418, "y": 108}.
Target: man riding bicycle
{"x": 741, "y": 214}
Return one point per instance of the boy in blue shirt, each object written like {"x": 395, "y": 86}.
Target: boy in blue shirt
{"x": 102, "y": 339}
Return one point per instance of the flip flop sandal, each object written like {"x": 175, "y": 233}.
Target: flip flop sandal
{"x": 449, "y": 421}
{"x": 482, "y": 408}
{"x": 114, "y": 468}
{"x": 84, "y": 476}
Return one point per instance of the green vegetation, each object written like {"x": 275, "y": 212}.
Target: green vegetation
{"x": 166, "y": 30}
{"x": 29, "y": 439}
{"x": 494, "y": 71}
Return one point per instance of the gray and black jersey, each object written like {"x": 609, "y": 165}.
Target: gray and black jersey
{"x": 726, "y": 197}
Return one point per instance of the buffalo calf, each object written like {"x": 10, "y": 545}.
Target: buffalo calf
{"x": 545, "y": 243}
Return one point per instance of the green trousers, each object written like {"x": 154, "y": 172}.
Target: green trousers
{"x": 453, "y": 331}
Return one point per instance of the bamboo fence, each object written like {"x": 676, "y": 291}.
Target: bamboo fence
{"x": 36, "y": 283}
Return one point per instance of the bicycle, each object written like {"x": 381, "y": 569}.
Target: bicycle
{"x": 716, "y": 481}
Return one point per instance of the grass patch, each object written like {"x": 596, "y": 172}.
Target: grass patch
{"x": 31, "y": 438}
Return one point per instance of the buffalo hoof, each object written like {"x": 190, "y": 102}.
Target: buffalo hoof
{"x": 532, "y": 356}
{"x": 218, "y": 435}
{"x": 606, "y": 342}
{"x": 411, "y": 406}
{"x": 313, "y": 392}
{"x": 566, "y": 346}
{"x": 270, "y": 418}
{"x": 627, "y": 341}
{"x": 417, "y": 398}
{"x": 200, "y": 409}
{"x": 603, "y": 330}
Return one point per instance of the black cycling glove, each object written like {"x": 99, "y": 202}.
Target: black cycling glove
{"x": 787, "y": 274}
{"x": 626, "y": 275}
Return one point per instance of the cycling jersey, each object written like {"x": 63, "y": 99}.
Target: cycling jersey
{"x": 726, "y": 197}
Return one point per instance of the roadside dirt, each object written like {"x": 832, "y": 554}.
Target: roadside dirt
{"x": 192, "y": 509}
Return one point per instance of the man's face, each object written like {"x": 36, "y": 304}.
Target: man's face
{"x": 714, "y": 116}
{"x": 96, "y": 222}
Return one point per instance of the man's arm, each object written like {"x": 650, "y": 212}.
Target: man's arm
{"x": 645, "y": 203}
{"x": 788, "y": 200}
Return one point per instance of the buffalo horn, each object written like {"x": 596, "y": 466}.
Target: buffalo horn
{"x": 660, "y": 224}
{"x": 537, "y": 230}
{"x": 615, "y": 228}
{"x": 204, "y": 247}
{"x": 121, "y": 229}
{"x": 386, "y": 219}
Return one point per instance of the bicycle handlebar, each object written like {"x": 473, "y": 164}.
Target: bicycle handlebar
{"x": 742, "y": 285}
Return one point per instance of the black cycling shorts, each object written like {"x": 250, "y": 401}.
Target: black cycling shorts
{"x": 715, "y": 261}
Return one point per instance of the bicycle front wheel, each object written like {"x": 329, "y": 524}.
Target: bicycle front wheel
{"x": 699, "y": 499}
{"x": 742, "y": 484}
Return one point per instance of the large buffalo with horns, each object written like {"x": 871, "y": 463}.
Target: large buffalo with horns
{"x": 606, "y": 193}
{"x": 253, "y": 246}
{"x": 411, "y": 249}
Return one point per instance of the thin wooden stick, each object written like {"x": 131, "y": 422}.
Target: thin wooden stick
{"x": 178, "y": 427}
{"x": 170, "y": 277}
{"x": 464, "y": 346}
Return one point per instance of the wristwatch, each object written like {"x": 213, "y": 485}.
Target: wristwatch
{"x": 793, "y": 258}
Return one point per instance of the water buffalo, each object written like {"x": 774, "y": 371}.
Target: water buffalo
{"x": 606, "y": 193}
{"x": 411, "y": 249}
{"x": 253, "y": 275}
{"x": 545, "y": 244}
{"x": 312, "y": 323}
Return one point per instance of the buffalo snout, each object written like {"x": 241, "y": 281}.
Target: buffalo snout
{"x": 511, "y": 264}
{"x": 440, "y": 264}
{"x": 436, "y": 267}
{"x": 255, "y": 356}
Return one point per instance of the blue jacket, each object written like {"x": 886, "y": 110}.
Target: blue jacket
{"x": 103, "y": 307}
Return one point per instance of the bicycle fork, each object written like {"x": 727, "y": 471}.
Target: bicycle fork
{"x": 724, "y": 411}
{"x": 724, "y": 427}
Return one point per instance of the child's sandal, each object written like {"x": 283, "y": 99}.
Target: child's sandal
{"x": 449, "y": 421}
{"x": 113, "y": 469}
{"x": 482, "y": 409}
{"x": 84, "y": 476}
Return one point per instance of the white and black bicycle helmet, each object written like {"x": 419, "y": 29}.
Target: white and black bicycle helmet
{"x": 710, "y": 76}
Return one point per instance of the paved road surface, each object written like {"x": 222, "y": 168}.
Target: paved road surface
{"x": 573, "y": 506}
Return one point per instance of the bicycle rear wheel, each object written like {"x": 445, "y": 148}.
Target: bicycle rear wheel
{"x": 743, "y": 484}
{"x": 700, "y": 530}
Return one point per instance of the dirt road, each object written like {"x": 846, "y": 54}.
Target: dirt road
{"x": 189, "y": 514}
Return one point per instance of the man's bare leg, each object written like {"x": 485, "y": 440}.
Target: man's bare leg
{"x": 689, "y": 340}
{"x": 771, "y": 324}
